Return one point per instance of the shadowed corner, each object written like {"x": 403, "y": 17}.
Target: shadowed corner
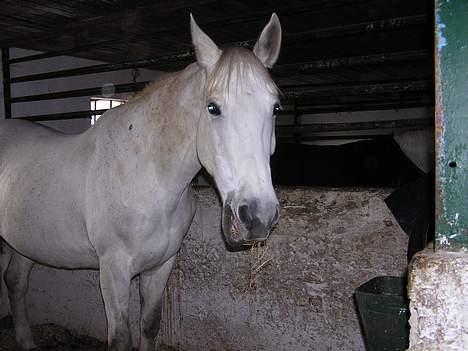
{"x": 6, "y": 323}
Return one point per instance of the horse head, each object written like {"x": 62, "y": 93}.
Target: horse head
{"x": 236, "y": 134}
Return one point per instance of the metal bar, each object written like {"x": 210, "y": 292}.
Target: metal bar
{"x": 393, "y": 23}
{"x": 335, "y": 137}
{"x": 301, "y": 111}
{"x": 338, "y": 127}
{"x": 6, "y": 82}
{"x": 364, "y": 106}
{"x": 288, "y": 91}
{"x": 120, "y": 88}
{"x": 278, "y": 70}
{"x": 282, "y": 130}
{"x": 451, "y": 66}
{"x": 104, "y": 67}
{"x": 387, "y": 24}
{"x": 353, "y": 29}
{"x": 229, "y": 20}
{"x": 368, "y": 88}
{"x": 404, "y": 56}
{"x": 56, "y": 53}
{"x": 62, "y": 116}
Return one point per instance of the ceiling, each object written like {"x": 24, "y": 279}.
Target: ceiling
{"x": 337, "y": 55}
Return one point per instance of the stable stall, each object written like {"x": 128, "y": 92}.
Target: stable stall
{"x": 356, "y": 82}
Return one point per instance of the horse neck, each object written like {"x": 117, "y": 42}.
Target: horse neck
{"x": 156, "y": 132}
{"x": 175, "y": 109}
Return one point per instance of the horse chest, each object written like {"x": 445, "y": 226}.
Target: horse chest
{"x": 152, "y": 240}
{"x": 154, "y": 248}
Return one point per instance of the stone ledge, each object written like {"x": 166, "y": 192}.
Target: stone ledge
{"x": 438, "y": 293}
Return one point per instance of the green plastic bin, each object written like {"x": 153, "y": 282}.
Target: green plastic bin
{"x": 383, "y": 308}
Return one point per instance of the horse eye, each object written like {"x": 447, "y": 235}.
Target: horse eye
{"x": 213, "y": 109}
{"x": 276, "y": 108}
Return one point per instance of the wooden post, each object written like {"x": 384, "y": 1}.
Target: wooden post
{"x": 451, "y": 65}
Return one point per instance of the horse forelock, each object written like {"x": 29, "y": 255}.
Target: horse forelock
{"x": 238, "y": 69}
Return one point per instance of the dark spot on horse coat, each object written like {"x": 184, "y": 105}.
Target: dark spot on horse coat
{"x": 130, "y": 127}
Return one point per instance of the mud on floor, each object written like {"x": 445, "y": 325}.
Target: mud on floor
{"x": 51, "y": 337}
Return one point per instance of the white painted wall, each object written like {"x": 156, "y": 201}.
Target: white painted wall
{"x": 62, "y": 84}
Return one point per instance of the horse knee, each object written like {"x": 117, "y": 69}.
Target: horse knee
{"x": 151, "y": 323}
{"x": 17, "y": 284}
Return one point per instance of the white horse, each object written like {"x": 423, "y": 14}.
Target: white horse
{"x": 117, "y": 197}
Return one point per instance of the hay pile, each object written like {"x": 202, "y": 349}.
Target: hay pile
{"x": 51, "y": 337}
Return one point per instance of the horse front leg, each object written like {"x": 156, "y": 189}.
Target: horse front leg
{"x": 17, "y": 281}
{"x": 152, "y": 284}
{"x": 115, "y": 279}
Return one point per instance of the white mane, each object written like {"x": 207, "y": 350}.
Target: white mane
{"x": 236, "y": 69}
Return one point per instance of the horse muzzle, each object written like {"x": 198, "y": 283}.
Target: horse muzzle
{"x": 245, "y": 224}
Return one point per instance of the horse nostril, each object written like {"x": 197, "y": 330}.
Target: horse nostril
{"x": 245, "y": 216}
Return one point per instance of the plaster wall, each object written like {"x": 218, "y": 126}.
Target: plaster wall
{"x": 293, "y": 294}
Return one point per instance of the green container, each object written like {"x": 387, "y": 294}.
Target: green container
{"x": 383, "y": 308}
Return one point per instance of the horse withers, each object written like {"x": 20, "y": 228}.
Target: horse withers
{"x": 118, "y": 198}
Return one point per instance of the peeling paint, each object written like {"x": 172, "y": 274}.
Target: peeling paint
{"x": 451, "y": 65}
{"x": 443, "y": 241}
{"x": 441, "y": 42}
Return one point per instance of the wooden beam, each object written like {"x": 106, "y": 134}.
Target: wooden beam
{"x": 168, "y": 29}
{"x": 127, "y": 16}
{"x": 279, "y": 70}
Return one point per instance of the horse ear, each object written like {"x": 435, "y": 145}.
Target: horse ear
{"x": 206, "y": 51}
{"x": 268, "y": 45}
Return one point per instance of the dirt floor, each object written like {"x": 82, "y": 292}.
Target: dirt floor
{"x": 51, "y": 337}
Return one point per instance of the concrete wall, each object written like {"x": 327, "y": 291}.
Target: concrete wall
{"x": 438, "y": 292}
{"x": 328, "y": 242}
